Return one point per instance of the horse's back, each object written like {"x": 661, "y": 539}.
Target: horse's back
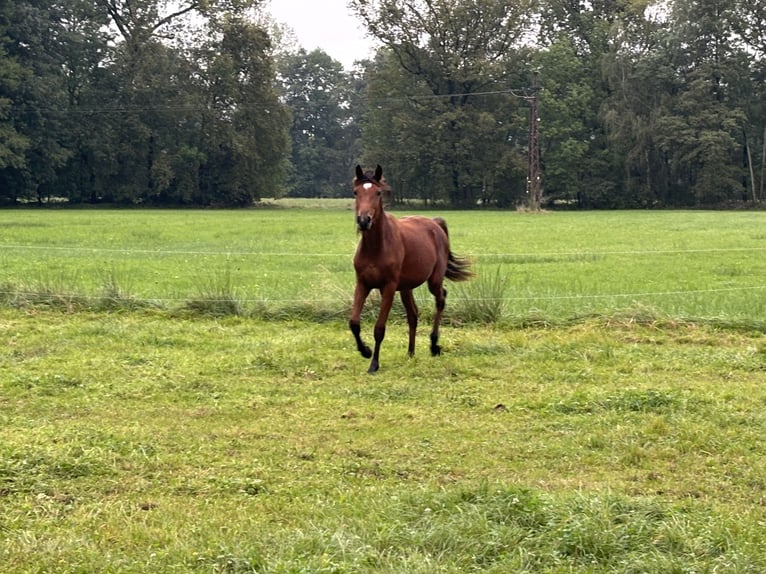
{"x": 426, "y": 249}
{"x": 417, "y": 224}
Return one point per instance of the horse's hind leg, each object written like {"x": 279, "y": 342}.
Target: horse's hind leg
{"x": 360, "y": 295}
{"x": 440, "y": 294}
{"x": 412, "y": 318}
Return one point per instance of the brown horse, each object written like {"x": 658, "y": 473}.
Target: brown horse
{"x": 398, "y": 255}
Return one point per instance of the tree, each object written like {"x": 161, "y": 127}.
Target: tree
{"x": 246, "y": 129}
{"x": 83, "y": 49}
{"x": 701, "y": 131}
{"x": 449, "y": 54}
{"x": 36, "y": 118}
{"x": 579, "y": 155}
{"x": 751, "y": 26}
{"x": 189, "y": 102}
{"x": 132, "y": 102}
{"x": 139, "y": 22}
{"x": 639, "y": 79}
{"x": 323, "y": 131}
{"x": 197, "y": 116}
{"x": 145, "y": 95}
{"x": 13, "y": 142}
{"x": 575, "y": 163}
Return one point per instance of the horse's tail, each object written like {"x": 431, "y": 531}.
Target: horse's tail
{"x": 458, "y": 268}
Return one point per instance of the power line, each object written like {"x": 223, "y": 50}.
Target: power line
{"x": 442, "y": 96}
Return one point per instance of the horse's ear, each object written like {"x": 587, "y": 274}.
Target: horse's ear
{"x": 359, "y": 172}
{"x": 378, "y": 173}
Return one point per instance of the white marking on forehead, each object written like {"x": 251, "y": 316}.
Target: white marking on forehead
{"x": 367, "y": 185}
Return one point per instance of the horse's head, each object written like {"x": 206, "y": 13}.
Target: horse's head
{"x": 368, "y": 190}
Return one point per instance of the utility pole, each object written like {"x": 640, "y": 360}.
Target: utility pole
{"x": 534, "y": 189}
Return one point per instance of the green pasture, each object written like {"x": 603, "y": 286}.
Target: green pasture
{"x": 179, "y": 392}
{"x": 549, "y": 268}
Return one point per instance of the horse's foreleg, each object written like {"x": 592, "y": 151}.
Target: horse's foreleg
{"x": 360, "y": 296}
{"x": 386, "y": 300}
{"x": 440, "y": 294}
{"x": 412, "y": 318}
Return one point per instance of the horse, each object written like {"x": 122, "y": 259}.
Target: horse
{"x": 398, "y": 255}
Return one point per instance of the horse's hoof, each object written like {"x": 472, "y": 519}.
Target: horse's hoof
{"x": 366, "y": 352}
{"x": 436, "y": 350}
{"x": 373, "y": 368}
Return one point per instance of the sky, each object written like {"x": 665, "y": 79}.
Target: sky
{"x": 325, "y": 24}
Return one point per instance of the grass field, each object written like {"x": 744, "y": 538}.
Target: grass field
{"x": 174, "y": 397}
{"x": 550, "y": 268}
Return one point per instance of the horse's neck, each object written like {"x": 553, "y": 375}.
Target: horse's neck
{"x": 374, "y": 239}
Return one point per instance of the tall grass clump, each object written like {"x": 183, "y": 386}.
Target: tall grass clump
{"x": 482, "y": 299}
{"x": 324, "y": 299}
{"x": 216, "y": 296}
{"x": 115, "y": 294}
{"x": 7, "y": 293}
{"x": 57, "y": 291}
{"x": 301, "y": 310}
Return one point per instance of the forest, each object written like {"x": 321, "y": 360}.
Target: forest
{"x": 613, "y": 104}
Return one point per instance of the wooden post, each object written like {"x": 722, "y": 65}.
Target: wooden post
{"x": 534, "y": 188}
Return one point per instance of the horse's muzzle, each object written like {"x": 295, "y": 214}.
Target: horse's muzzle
{"x": 364, "y": 222}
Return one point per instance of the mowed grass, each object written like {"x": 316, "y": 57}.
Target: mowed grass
{"x": 586, "y": 433}
{"x": 134, "y": 443}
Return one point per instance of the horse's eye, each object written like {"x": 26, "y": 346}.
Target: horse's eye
{"x": 379, "y": 193}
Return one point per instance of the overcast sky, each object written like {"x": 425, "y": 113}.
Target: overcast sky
{"x": 325, "y": 24}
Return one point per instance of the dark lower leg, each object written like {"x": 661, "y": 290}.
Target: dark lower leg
{"x": 435, "y": 348}
{"x": 356, "y": 331}
{"x": 380, "y": 334}
{"x": 440, "y": 303}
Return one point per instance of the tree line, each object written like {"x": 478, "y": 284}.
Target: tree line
{"x": 641, "y": 103}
